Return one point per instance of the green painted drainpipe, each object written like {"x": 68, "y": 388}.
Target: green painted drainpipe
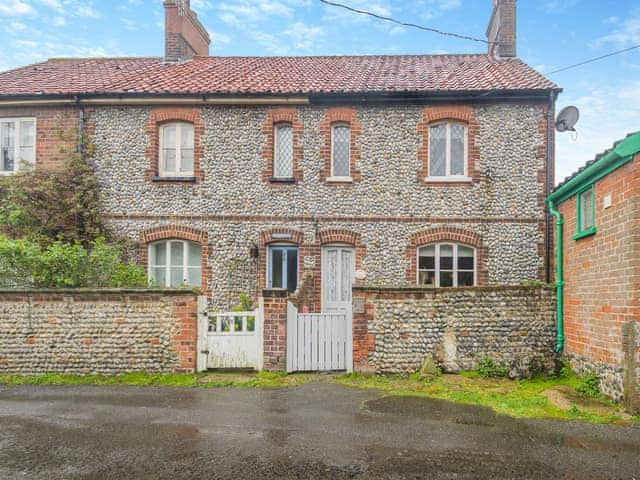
{"x": 559, "y": 278}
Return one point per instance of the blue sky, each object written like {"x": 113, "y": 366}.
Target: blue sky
{"x": 551, "y": 34}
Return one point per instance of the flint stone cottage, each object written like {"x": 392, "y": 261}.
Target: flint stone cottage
{"x": 310, "y": 174}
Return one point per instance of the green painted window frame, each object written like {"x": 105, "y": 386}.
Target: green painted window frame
{"x": 592, "y": 230}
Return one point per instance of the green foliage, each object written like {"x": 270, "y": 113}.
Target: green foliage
{"x": 487, "y": 368}
{"x": 25, "y": 263}
{"x": 245, "y": 304}
{"x": 52, "y": 204}
{"x": 564, "y": 370}
{"x": 589, "y": 385}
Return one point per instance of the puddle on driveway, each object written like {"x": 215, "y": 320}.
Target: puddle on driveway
{"x": 435, "y": 409}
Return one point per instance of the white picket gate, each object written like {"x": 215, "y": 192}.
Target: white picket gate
{"x": 234, "y": 340}
{"x": 318, "y": 341}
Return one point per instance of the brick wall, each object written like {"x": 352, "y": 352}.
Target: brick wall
{"x": 602, "y": 278}
{"x": 56, "y": 132}
{"x": 395, "y": 328}
{"x": 275, "y": 329}
{"x": 94, "y": 331}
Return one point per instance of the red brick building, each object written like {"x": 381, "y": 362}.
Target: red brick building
{"x": 598, "y": 252}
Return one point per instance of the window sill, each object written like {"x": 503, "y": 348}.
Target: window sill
{"x": 585, "y": 233}
{"x": 157, "y": 178}
{"x": 282, "y": 179}
{"x": 340, "y": 180}
{"x": 448, "y": 180}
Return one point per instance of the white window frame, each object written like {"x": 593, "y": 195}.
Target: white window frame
{"x": 177, "y": 173}
{"x": 455, "y": 269}
{"x": 276, "y": 148}
{"x": 334, "y": 178}
{"x": 448, "y": 177}
{"x": 167, "y": 265}
{"x": 18, "y": 125}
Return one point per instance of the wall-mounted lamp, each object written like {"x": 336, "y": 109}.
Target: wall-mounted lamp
{"x": 254, "y": 251}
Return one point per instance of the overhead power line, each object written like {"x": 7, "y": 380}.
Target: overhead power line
{"x": 591, "y": 60}
{"x": 404, "y": 24}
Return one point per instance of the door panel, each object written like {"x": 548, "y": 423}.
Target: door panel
{"x": 338, "y": 268}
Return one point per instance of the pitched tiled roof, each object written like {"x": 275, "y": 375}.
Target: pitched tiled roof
{"x": 273, "y": 75}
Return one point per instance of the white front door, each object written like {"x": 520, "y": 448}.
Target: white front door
{"x": 338, "y": 273}
{"x": 338, "y": 268}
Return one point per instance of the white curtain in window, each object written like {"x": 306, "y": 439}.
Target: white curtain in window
{"x": 175, "y": 263}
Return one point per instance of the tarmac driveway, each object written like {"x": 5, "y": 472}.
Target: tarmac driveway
{"x": 312, "y": 431}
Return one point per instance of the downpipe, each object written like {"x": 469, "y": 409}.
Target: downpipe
{"x": 559, "y": 278}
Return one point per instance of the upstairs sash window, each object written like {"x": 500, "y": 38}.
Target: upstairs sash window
{"x": 17, "y": 143}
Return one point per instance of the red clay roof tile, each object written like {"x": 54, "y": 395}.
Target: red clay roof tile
{"x": 272, "y": 75}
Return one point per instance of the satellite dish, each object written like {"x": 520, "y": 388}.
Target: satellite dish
{"x": 567, "y": 119}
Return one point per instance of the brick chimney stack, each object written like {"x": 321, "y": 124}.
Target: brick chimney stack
{"x": 184, "y": 36}
{"x": 501, "y": 32}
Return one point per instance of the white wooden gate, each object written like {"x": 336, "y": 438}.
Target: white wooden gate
{"x": 235, "y": 340}
{"x": 318, "y": 341}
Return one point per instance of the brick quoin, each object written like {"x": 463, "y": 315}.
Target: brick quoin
{"x": 275, "y": 329}
{"x": 602, "y": 271}
{"x": 274, "y": 117}
{"x": 446, "y": 233}
{"x": 457, "y": 113}
{"x": 185, "y": 340}
{"x": 178, "y": 232}
{"x": 340, "y": 115}
{"x": 162, "y": 116}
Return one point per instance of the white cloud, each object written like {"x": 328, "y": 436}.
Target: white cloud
{"x": 558, "y": 6}
{"x": 239, "y": 12}
{"x": 132, "y": 25}
{"x": 303, "y": 36}
{"x": 436, "y": 8}
{"x": 201, "y": 5}
{"x": 219, "y": 38}
{"x": 87, "y": 11}
{"x": 16, "y": 8}
{"x": 626, "y": 33}
{"x": 607, "y": 114}
{"x": 297, "y": 38}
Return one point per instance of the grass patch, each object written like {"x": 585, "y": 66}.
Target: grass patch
{"x": 206, "y": 380}
{"x": 516, "y": 398}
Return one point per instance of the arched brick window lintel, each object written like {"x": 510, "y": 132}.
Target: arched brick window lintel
{"x": 332, "y": 117}
{"x": 178, "y": 232}
{"x": 446, "y": 234}
{"x": 453, "y": 113}
{"x": 161, "y": 116}
{"x": 274, "y": 117}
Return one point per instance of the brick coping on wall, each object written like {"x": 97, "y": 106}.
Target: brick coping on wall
{"x": 417, "y": 289}
{"x": 100, "y": 291}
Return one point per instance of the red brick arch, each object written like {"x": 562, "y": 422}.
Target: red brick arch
{"x": 451, "y": 112}
{"x": 340, "y": 115}
{"x": 274, "y": 117}
{"x": 348, "y": 237}
{"x": 446, "y": 234}
{"x": 164, "y": 115}
{"x": 179, "y": 232}
{"x": 267, "y": 238}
